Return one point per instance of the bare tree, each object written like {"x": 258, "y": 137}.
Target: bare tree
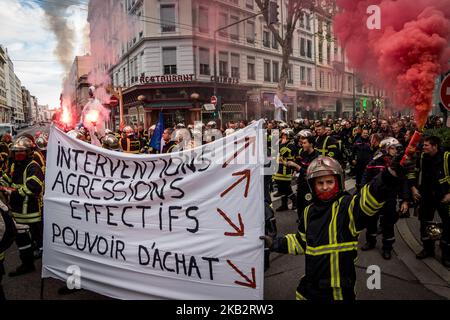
{"x": 295, "y": 10}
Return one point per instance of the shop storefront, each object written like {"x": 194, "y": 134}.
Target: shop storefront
{"x": 181, "y": 99}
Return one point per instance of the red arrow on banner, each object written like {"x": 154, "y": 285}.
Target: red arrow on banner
{"x": 245, "y": 174}
{"x": 249, "y": 283}
{"x": 239, "y": 231}
{"x": 248, "y": 142}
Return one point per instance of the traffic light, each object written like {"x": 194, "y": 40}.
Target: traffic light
{"x": 364, "y": 103}
{"x": 273, "y": 12}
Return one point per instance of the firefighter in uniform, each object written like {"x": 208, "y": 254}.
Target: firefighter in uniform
{"x": 329, "y": 228}
{"x": 388, "y": 214}
{"x": 27, "y": 179}
{"x": 326, "y": 145}
{"x": 283, "y": 177}
{"x": 41, "y": 144}
{"x": 129, "y": 143}
{"x": 37, "y": 154}
{"x": 7, "y": 236}
{"x": 430, "y": 187}
{"x": 301, "y": 164}
{"x": 361, "y": 155}
{"x": 297, "y": 126}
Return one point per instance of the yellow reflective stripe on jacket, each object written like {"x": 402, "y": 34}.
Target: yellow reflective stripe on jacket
{"x": 294, "y": 246}
{"x": 368, "y": 203}
{"x": 332, "y": 248}
{"x": 334, "y": 255}
{"x": 303, "y": 236}
{"x": 34, "y": 178}
{"x": 284, "y": 177}
{"x": 324, "y": 150}
{"x": 446, "y": 171}
{"x": 352, "y": 225}
{"x": 27, "y": 218}
{"x": 2, "y": 256}
{"x": 298, "y": 296}
{"x": 305, "y": 218}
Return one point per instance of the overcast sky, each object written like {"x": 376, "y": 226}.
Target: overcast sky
{"x": 30, "y": 43}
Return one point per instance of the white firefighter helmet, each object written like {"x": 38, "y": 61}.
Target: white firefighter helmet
{"x": 298, "y": 121}
{"x": 128, "y": 130}
{"x": 72, "y": 134}
{"x": 389, "y": 142}
{"x": 304, "y": 133}
{"x": 229, "y": 131}
{"x": 288, "y": 132}
{"x": 282, "y": 125}
{"x": 212, "y": 125}
{"x": 324, "y": 166}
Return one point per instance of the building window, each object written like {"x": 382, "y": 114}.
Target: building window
{"x": 329, "y": 82}
{"x": 249, "y": 4}
{"x": 290, "y": 78}
{"x": 303, "y": 75}
{"x": 167, "y": 17}
{"x": 234, "y": 30}
{"x": 136, "y": 69}
{"x": 302, "y": 47}
{"x": 266, "y": 70}
{"x": 349, "y": 83}
{"x": 274, "y": 42}
{"x": 321, "y": 79}
{"x": 308, "y": 21}
{"x": 321, "y": 51}
{"x": 301, "y": 19}
{"x": 309, "y": 49}
{"x": 250, "y": 32}
{"x": 204, "y": 61}
{"x": 266, "y": 39}
{"x": 275, "y": 71}
{"x": 170, "y": 60}
{"x": 223, "y": 64}
{"x": 223, "y": 21}
{"x": 203, "y": 23}
{"x": 234, "y": 65}
{"x": 328, "y": 53}
{"x": 124, "y": 74}
{"x": 251, "y": 68}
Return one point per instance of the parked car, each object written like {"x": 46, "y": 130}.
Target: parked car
{"x": 8, "y": 128}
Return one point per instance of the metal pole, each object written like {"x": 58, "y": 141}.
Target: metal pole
{"x": 354, "y": 96}
{"x": 215, "y": 63}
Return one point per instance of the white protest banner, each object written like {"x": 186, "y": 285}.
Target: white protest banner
{"x": 176, "y": 226}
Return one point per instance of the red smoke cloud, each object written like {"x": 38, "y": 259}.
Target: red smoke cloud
{"x": 406, "y": 55}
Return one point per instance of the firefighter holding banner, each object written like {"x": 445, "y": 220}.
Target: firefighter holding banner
{"x": 329, "y": 228}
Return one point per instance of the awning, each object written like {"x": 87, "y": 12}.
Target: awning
{"x": 168, "y": 105}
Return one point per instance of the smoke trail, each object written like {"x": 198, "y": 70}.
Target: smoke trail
{"x": 55, "y": 14}
{"x": 406, "y": 55}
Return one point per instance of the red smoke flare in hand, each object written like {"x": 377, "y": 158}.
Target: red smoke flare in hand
{"x": 406, "y": 55}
